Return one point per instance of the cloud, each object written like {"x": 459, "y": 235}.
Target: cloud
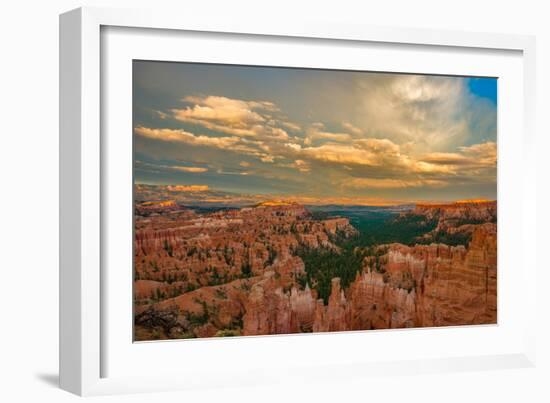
{"x": 300, "y": 165}
{"x": 352, "y": 129}
{"x": 446, "y": 158}
{"x": 291, "y": 126}
{"x": 222, "y": 172}
{"x": 162, "y": 115}
{"x": 374, "y": 183}
{"x": 483, "y": 155}
{"x": 388, "y": 132}
{"x": 389, "y": 158}
{"x": 267, "y": 158}
{"x": 189, "y": 169}
{"x": 233, "y": 116}
{"x": 418, "y": 112}
{"x": 155, "y": 167}
{"x": 381, "y": 146}
{"x": 422, "y": 89}
{"x": 234, "y": 144}
{"x": 317, "y": 132}
{"x": 274, "y": 132}
{"x": 435, "y": 113}
{"x": 220, "y": 113}
{"x": 339, "y": 154}
{"x": 369, "y": 152}
{"x": 182, "y": 136}
{"x": 384, "y": 164}
{"x": 188, "y": 188}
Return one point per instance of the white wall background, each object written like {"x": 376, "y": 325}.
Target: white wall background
{"x": 29, "y": 198}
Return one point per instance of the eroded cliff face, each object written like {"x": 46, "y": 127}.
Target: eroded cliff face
{"x": 236, "y": 273}
{"x": 450, "y": 286}
{"x": 223, "y": 268}
{"x": 483, "y": 210}
{"x": 207, "y": 250}
{"x": 459, "y": 216}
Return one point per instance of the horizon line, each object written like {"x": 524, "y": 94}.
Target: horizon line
{"x": 310, "y": 200}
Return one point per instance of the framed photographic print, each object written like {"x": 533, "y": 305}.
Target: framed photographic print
{"x": 256, "y": 194}
{"x": 283, "y": 200}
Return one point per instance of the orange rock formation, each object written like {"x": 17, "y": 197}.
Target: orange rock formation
{"x": 235, "y": 273}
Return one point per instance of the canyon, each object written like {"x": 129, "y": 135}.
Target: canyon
{"x": 247, "y": 271}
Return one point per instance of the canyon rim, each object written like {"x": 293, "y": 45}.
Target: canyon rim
{"x": 284, "y": 200}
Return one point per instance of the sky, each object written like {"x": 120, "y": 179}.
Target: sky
{"x": 314, "y": 136}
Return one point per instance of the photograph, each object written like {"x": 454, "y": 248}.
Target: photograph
{"x": 282, "y": 200}
{"x": 235, "y": 201}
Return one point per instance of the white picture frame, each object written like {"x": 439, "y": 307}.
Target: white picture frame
{"x": 83, "y": 160}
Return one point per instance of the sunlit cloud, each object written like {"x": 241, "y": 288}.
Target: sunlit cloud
{"x": 291, "y": 126}
{"x": 190, "y": 169}
{"x": 486, "y": 153}
{"x": 482, "y": 155}
{"x": 374, "y": 183}
{"x": 317, "y": 132}
{"x": 360, "y": 134}
{"x": 233, "y": 116}
{"x": 220, "y": 112}
{"x": 352, "y": 129}
{"x": 156, "y": 167}
{"x": 300, "y": 165}
{"x": 340, "y": 154}
{"x": 222, "y": 172}
{"x": 233, "y": 144}
{"x": 267, "y": 158}
{"x": 188, "y": 188}
{"x": 182, "y": 136}
{"x": 433, "y": 112}
{"x": 381, "y": 154}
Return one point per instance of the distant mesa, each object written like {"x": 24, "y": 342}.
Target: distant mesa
{"x": 187, "y": 188}
{"x": 158, "y": 204}
{"x": 475, "y": 201}
{"x": 149, "y": 207}
{"x": 275, "y": 203}
{"x": 457, "y": 203}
